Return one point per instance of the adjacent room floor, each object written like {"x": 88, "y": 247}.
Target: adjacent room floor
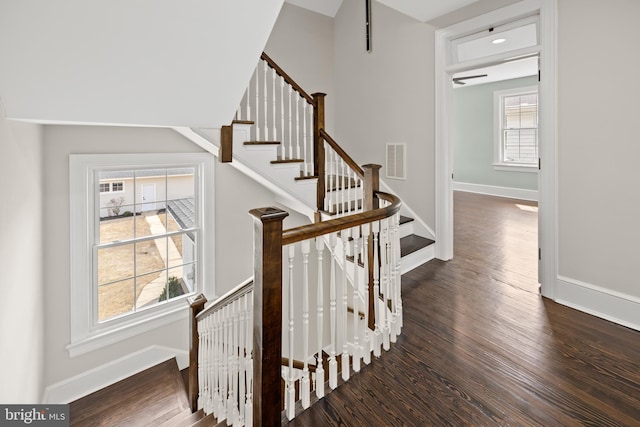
{"x": 480, "y": 347}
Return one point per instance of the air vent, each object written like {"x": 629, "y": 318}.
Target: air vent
{"x": 396, "y": 160}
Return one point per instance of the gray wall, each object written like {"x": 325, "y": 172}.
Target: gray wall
{"x": 21, "y": 301}
{"x": 473, "y": 137}
{"x": 302, "y": 44}
{"x": 598, "y": 144}
{"x": 388, "y": 96}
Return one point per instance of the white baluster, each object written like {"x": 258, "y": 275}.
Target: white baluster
{"x": 327, "y": 178}
{"x": 257, "y": 119}
{"x": 333, "y": 364}
{"x": 305, "y": 385}
{"x": 345, "y": 349}
{"x": 311, "y": 142}
{"x": 377, "y": 338}
{"x": 290, "y": 393}
{"x": 297, "y": 129}
{"x": 320, "y": 318}
{"x": 355, "y": 234}
{"x": 202, "y": 360}
{"x": 366, "y": 233}
{"x": 273, "y": 104}
{"x": 247, "y": 100}
{"x": 282, "y": 147}
{"x": 304, "y": 137}
{"x": 241, "y": 359}
{"x": 265, "y": 98}
{"x": 223, "y": 365}
{"x": 397, "y": 274}
{"x": 290, "y": 117}
{"x": 384, "y": 247}
{"x": 249, "y": 362}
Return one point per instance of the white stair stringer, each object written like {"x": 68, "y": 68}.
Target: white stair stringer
{"x": 256, "y": 164}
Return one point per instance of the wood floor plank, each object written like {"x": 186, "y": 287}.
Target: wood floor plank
{"x": 481, "y": 347}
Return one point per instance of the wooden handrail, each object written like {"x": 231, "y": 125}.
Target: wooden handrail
{"x": 287, "y": 78}
{"x": 234, "y": 294}
{"x": 310, "y": 231}
{"x": 350, "y": 162}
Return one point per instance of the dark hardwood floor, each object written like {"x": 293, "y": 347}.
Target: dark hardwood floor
{"x": 480, "y": 347}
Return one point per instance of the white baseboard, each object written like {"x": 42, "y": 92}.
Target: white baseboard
{"x": 614, "y": 306}
{"x": 492, "y": 190}
{"x": 73, "y": 388}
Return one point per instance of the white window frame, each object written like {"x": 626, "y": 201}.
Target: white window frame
{"x": 87, "y": 334}
{"x": 498, "y": 134}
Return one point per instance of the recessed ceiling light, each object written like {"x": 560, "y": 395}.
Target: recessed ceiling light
{"x": 498, "y": 41}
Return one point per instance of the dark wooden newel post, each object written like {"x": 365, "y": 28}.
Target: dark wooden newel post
{"x": 197, "y": 305}
{"x": 267, "y": 315}
{"x": 371, "y": 186}
{"x": 318, "y": 146}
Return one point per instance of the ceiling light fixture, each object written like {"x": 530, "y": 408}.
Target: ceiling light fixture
{"x": 498, "y": 41}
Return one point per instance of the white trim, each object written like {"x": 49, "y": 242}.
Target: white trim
{"x": 614, "y": 306}
{"x": 411, "y": 213}
{"x": 493, "y": 190}
{"x": 498, "y": 131}
{"x": 86, "y": 334}
{"x": 548, "y": 239}
{"x": 506, "y": 167}
{"x": 417, "y": 258}
{"x": 87, "y": 382}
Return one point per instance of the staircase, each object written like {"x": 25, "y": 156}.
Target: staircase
{"x": 154, "y": 397}
{"x": 325, "y": 297}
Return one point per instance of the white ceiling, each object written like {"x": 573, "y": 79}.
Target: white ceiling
{"x": 424, "y": 10}
{"x": 430, "y": 10}
{"x": 325, "y": 7}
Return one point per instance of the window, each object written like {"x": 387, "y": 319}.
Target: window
{"x": 111, "y": 187}
{"x": 136, "y": 255}
{"x": 516, "y": 124}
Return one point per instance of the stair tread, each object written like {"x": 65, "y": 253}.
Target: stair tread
{"x": 261, "y": 143}
{"x": 207, "y": 421}
{"x": 155, "y": 394}
{"x": 413, "y": 243}
{"x": 278, "y": 161}
{"x": 301, "y": 178}
{"x": 183, "y": 419}
{"x": 243, "y": 122}
{"x": 405, "y": 219}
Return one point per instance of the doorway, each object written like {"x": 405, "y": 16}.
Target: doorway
{"x": 448, "y": 64}
{"x": 148, "y": 197}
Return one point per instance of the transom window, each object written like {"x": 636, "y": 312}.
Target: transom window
{"x": 516, "y": 112}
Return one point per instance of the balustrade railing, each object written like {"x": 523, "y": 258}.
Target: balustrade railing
{"x": 337, "y": 283}
{"x": 225, "y": 363}
{"x": 281, "y": 112}
{"x": 338, "y": 280}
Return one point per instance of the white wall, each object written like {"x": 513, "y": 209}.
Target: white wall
{"x": 302, "y": 44}
{"x": 598, "y": 147}
{"x": 156, "y": 62}
{"x": 388, "y": 96}
{"x": 21, "y": 316}
{"x": 235, "y": 195}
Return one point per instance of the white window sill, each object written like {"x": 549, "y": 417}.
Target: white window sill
{"x": 515, "y": 167}
{"x": 111, "y": 333}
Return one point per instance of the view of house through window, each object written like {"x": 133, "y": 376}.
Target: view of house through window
{"x": 145, "y": 243}
{"x": 519, "y": 128}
